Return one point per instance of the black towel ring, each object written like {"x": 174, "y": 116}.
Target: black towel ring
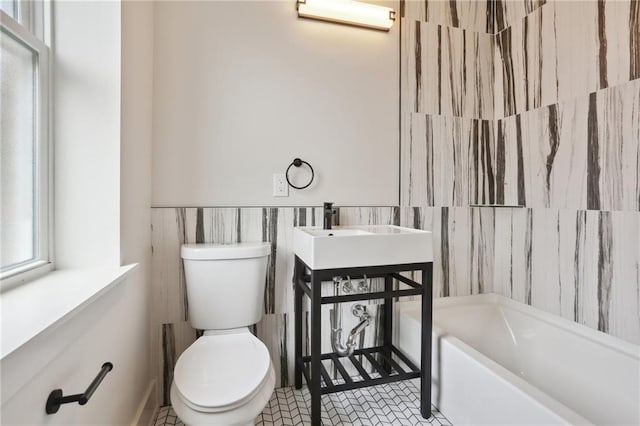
{"x": 298, "y": 162}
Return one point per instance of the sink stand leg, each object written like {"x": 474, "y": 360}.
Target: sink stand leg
{"x": 298, "y": 271}
{"x": 388, "y": 323}
{"x": 425, "y": 359}
{"x": 316, "y": 334}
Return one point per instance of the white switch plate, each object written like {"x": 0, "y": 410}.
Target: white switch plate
{"x": 280, "y": 185}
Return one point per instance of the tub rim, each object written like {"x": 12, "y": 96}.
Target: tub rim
{"x": 603, "y": 339}
{"x": 504, "y": 375}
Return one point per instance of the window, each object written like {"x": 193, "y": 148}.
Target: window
{"x": 24, "y": 139}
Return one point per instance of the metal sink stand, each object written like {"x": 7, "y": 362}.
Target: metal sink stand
{"x": 384, "y": 359}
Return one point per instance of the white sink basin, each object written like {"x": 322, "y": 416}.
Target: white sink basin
{"x": 355, "y": 246}
{"x": 336, "y": 232}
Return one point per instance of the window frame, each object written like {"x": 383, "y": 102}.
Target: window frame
{"x": 32, "y": 36}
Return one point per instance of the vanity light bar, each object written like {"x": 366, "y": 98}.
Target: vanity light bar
{"x": 348, "y": 12}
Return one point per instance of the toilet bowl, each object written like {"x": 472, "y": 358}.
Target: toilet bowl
{"x": 223, "y": 379}
{"x": 226, "y": 376}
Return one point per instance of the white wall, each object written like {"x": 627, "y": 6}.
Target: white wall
{"x": 86, "y": 52}
{"x": 241, "y": 88}
{"x": 114, "y": 221}
{"x": 136, "y": 132}
{"x": 135, "y": 190}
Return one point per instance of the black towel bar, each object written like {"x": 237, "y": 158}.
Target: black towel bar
{"x": 56, "y": 399}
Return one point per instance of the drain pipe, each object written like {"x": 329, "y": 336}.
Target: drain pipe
{"x": 336, "y": 327}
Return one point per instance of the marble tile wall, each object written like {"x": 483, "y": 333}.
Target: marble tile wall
{"x": 507, "y": 12}
{"x": 447, "y": 71}
{"x": 563, "y": 50}
{"x": 562, "y": 139}
{"x": 567, "y": 135}
{"x": 475, "y": 15}
{"x": 484, "y": 16}
{"x": 582, "y": 265}
{"x": 447, "y": 140}
{"x": 447, "y": 103}
{"x": 463, "y": 247}
{"x": 447, "y": 161}
{"x": 579, "y": 154}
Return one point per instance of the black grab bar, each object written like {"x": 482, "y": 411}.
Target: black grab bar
{"x": 56, "y": 399}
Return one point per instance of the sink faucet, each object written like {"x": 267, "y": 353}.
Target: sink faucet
{"x": 328, "y": 216}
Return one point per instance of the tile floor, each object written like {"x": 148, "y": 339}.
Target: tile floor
{"x": 394, "y": 404}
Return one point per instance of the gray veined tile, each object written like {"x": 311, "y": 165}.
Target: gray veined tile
{"x": 287, "y": 218}
{"x": 538, "y": 64}
{"x": 634, "y": 40}
{"x": 168, "y": 361}
{"x": 171, "y": 228}
{"x": 578, "y": 154}
{"x": 525, "y": 78}
{"x": 307, "y": 216}
{"x": 510, "y": 12}
{"x": 624, "y": 296}
{"x": 463, "y": 247}
{"x": 368, "y": 216}
{"x": 447, "y": 161}
{"x": 174, "y": 339}
{"x": 470, "y": 244}
{"x": 276, "y": 332}
{"x": 542, "y": 157}
{"x": 552, "y": 284}
{"x": 549, "y": 259}
{"x": 417, "y": 157}
{"x": 466, "y": 14}
{"x": 615, "y": 125}
{"x": 270, "y": 233}
{"x": 446, "y": 71}
{"x": 220, "y": 225}
{"x": 512, "y": 268}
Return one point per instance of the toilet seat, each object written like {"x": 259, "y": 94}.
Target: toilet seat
{"x": 221, "y": 372}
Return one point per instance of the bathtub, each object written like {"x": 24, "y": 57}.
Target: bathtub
{"x": 499, "y": 362}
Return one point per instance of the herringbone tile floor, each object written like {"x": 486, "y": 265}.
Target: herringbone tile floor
{"x": 396, "y": 404}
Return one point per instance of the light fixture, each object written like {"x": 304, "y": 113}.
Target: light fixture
{"x": 348, "y": 12}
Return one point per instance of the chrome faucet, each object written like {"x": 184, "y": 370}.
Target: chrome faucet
{"x": 328, "y": 216}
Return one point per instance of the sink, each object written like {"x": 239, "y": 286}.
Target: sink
{"x": 336, "y": 232}
{"x": 356, "y": 246}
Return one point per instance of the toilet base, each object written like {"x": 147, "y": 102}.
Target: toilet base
{"x": 243, "y": 415}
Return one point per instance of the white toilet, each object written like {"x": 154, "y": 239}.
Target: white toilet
{"x": 226, "y": 376}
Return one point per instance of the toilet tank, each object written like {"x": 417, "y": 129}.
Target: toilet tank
{"x": 225, "y": 283}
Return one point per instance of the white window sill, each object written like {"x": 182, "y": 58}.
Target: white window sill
{"x": 41, "y": 305}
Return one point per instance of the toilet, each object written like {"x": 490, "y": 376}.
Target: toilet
{"x": 226, "y": 376}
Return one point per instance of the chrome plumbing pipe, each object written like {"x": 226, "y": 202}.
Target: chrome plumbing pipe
{"x": 336, "y": 327}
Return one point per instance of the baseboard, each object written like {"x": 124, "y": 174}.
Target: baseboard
{"x": 147, "y": 410}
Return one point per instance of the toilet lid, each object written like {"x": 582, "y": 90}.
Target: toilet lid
{"x": 221, "y": 370}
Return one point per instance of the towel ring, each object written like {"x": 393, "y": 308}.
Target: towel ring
{"x": 298, "y": 162}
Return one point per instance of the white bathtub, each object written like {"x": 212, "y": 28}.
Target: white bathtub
{"x": 499, "y": 362}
